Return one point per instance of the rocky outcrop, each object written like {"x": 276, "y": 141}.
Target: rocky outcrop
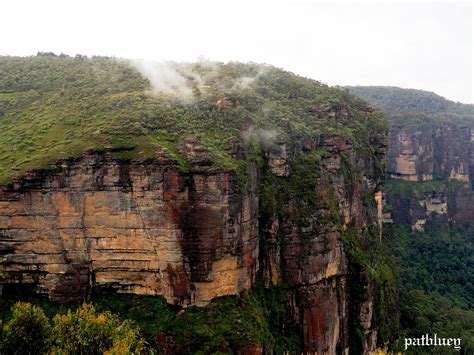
{"x": 278, "y": 160}
{"x": 143, "y": 228}
{"x": 419, "y": 154}
{"x": 410, "y": 156}
{"x": 441, "y": 153}
{"x": 414, "y": 208}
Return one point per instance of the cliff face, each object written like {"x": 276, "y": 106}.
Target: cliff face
{"x": 440, "y": 150}
{"x": 431, "y": 148}
{"x": 304, "y": 246}
{"x": 147, "y": 228}
{"x": 441, "y": 153}
{"x": 142, "y": 228}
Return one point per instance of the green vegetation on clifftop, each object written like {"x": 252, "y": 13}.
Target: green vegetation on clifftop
{"x": 58, "y": 107}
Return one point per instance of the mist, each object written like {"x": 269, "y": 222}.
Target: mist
{"x": 165, "y": 77}
{"x": 185, "y": 82}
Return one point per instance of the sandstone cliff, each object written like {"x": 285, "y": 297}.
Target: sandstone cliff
{"x": 421, "y": 153}
{"x": 202, "y": 200}
{"x": 148, "y": 228}
{"x": 441, "y": 154}
{"x": 304, "y": 246}
{"x": 430, "y": 145}
{"x": 143, "y": 228}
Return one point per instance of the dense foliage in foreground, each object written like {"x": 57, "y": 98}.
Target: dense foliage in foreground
{"x": 82, "y": 331}
{"x": 227, "y": 323}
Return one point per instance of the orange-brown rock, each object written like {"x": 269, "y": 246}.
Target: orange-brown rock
{"x": 143, "y": 228}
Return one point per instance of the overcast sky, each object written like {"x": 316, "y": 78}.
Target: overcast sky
{"x": 423, "y": 45}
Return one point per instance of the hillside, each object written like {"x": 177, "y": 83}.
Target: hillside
{"x": 225, "y": 208}
{"x": 58, "y": 107}
{"x": 415, "y": 107}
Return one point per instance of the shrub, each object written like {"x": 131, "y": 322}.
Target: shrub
{"x": 127, "y": 340}
{"x": 28, "y": 330}
{"x": 85, "y": 331}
